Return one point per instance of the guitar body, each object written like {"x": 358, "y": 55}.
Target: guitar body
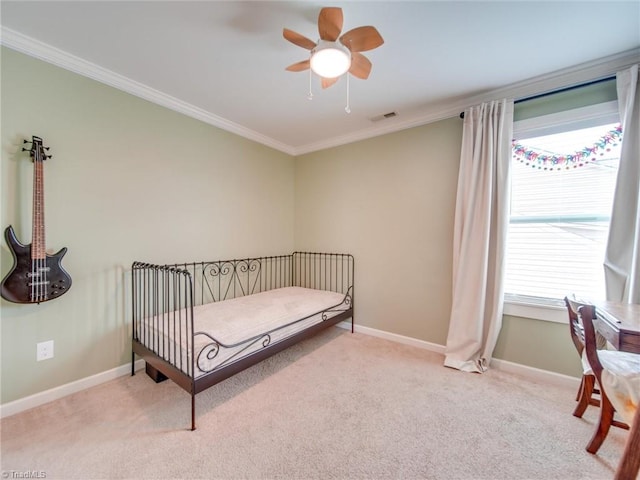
{"x": 26, "y": 284}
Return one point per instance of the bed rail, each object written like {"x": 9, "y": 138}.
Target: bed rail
{"x": 219, "y": 280}
{"x": 323, "y": 271}
{"x": 163, "y": 299}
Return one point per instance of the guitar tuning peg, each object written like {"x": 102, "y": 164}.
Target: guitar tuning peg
{"x": 25, "y": 149}
{"x": 25, "y": 141}
{"x": 48, "y": 156}
{"x": 47, "y": 148}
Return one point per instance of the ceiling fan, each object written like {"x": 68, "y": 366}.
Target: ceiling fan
{"x": 334, "y": 54}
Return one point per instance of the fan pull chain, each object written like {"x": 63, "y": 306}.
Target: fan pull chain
{"x": 310, "y": 96}
{"x": 347, "y": 108}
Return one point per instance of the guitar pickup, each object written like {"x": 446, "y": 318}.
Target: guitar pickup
{"x": 38, "y": 272}
{"x": 36, "y": 284}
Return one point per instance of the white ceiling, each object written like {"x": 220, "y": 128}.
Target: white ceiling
{"x": 224, "y": 62}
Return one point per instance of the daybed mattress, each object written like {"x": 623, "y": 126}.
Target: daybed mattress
{"x": 232, "y": 329}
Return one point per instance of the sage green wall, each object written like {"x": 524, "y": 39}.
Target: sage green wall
{"x": 129, "y": 180}
{"x": 391, "y": 201}
{"x": 600, "y": 92}
{"x": 539, "y": 344}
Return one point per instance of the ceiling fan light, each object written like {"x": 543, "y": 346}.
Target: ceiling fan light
{"x": 330, "y": 59}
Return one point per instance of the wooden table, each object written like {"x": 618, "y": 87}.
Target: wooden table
{"x": 619, "y": 323}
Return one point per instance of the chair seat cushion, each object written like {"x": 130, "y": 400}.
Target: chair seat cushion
{"x": 621, "y": 381}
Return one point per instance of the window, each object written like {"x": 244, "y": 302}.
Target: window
{"x": 563, "y": 179}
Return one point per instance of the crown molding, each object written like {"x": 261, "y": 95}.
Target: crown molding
{"x": 542, "y": 84}
{"x": 550, "y": 82}
{"x": 47, "y": 53}
{"x": 568, "y": 77}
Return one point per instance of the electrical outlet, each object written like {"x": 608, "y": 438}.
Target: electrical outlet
{"x": 44, "y": 350}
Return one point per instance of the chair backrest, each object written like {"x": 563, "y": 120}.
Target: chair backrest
{"x": 575, "y": 327}
{"x": 581, "y": 317}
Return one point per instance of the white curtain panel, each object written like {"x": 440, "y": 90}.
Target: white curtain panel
{"x": 622, "y": 257}
{"x": 480, "y": 233}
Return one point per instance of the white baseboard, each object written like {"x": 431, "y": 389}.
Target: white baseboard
{"x": 22, "y": 404}
{"x": 56, "y": 393}
{"x": 536, "y": 374}
{"x": 414, "y": 342}
{"x": 532, "y": 373}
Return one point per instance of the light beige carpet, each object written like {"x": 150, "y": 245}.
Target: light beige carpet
{"x": 338, "y": 406}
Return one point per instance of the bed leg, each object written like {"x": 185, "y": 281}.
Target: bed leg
{"x": 193, "y": 411}
{"x": 133, "y": 364}
{"x": 352, "y": 326}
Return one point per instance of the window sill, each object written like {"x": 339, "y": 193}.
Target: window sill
{"x": 539, "y": 309}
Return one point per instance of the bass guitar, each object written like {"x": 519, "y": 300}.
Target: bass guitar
{"x": 35, "y": 276}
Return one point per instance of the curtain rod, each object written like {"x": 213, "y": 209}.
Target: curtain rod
{"x": 560, "y": 90}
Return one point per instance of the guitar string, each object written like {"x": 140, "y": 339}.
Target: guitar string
{"x": 36, "y": 273}
{"x": 43, "y": 253}
{"x": 39, "y": 233}
{"x": 34, "y": 256}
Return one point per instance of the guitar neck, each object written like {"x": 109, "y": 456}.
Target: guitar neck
{"x": 38, "y": 250}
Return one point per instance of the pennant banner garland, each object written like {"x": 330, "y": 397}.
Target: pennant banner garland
{"x": 545, "y": 161}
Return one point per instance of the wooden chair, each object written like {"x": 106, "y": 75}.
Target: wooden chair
{"x": 596, "y": 358}
{"x": 587, "y": 391}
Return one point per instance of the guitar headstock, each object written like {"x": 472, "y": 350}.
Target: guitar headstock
{"x": 37, "y": 150}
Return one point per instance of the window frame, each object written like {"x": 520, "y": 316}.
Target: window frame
{"x": 536, "y": 308}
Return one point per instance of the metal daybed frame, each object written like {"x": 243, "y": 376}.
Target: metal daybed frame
{"x": 164, "y": 297}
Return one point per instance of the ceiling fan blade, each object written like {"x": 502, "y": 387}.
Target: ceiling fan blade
{"x": 362, "y": 39}
{"x": 327, "y": 82}
{"x": 297, "y": 39}
{"x": 360, "y": 66}
{"x": 330, "y": 23}
{"x": 298, "y": 67}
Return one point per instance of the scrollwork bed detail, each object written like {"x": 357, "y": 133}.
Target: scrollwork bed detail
{"x": 200, "y": 323}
